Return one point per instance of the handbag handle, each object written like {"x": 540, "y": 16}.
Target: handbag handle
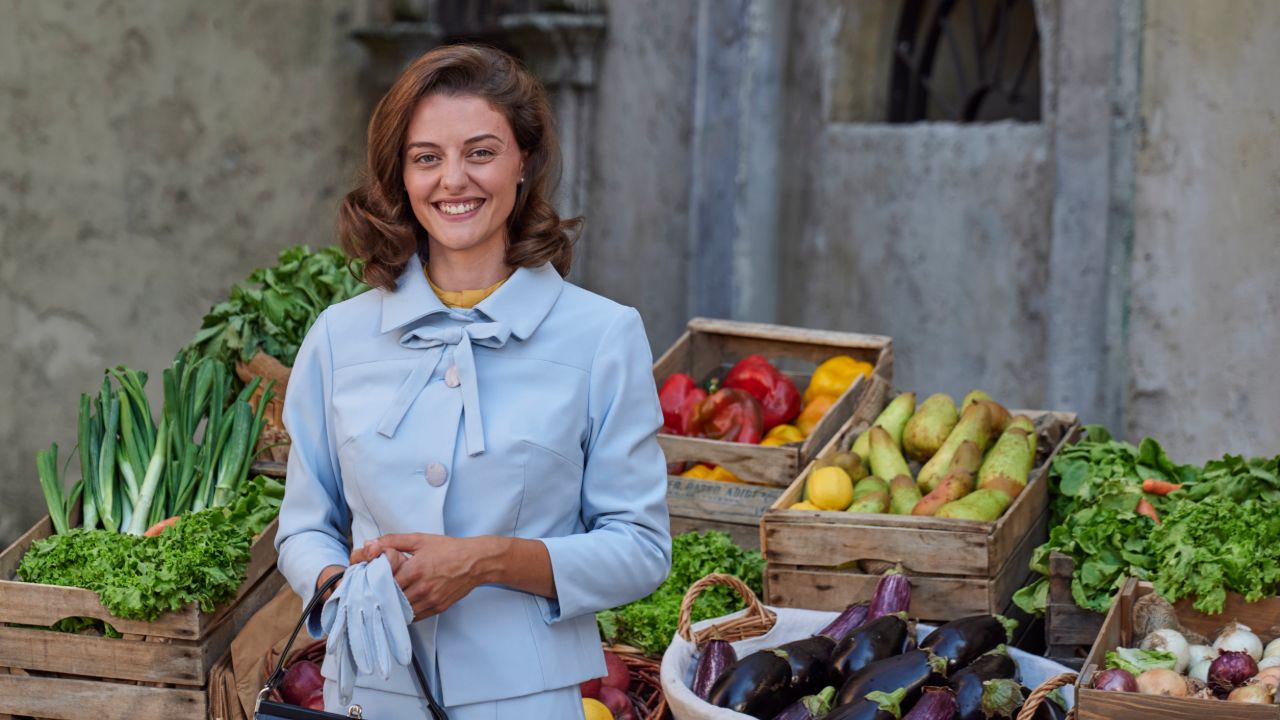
{"x": 277, "y": 675}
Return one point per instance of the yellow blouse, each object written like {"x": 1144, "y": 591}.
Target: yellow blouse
{"x": 462, "y": 298}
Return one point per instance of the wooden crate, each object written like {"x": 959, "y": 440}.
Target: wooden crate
{"x": 156, "y": 671}
{"x": 708, "y": 346}
{"x": 1117, "y": 631}
{"x": 825, "y": 560}
{"x": 1069, "y": 630}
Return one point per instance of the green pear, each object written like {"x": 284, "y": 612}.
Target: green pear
{"x": 967, "y": 457}
{"x": 975, "y": 427}
{"x": 973, "y": 397}
{"x": 1024, "y": 422}
{"x": 1008, "y": 465}
{"x": 929, "y": 427}
{"x": 886, "y": 458}
{"x": 893, "y": 418}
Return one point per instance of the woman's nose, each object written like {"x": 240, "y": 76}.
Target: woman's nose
{"x": 455, "y": 175}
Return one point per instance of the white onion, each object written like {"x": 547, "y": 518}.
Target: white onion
{"x": 1269, "y": 661}
{"x": 1238, "y": 638}
{"x": 1196, "y": 653}
{"x": 1200, "y": 671}
{"x": 1170, "y": 641}
{"x": 1273, "y": 649}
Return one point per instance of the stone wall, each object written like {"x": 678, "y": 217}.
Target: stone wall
{"x": 153, "y": 154}
{"x": 1204, "y": 344}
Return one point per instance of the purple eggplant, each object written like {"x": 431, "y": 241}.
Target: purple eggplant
{"x": 938, "y": 703}
{"x": 968, "y": 682}
{"x": 875, "y": 706}
{"x": 878, "y": 639}
{"x": 809, "y": 707}
{"x": 962, "y": 641}
{"x": 756, "y": 685}
{"x": 892, "y": 595}
{"x": 810, "y": 661}
{"x": 846, "y": 622}
{"x": 717, "y": 655}
{"x": 909, "y": 671}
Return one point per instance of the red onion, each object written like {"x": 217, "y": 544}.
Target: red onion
{"x": 1231, "y": 670}
{"x": 1115, "y": 680}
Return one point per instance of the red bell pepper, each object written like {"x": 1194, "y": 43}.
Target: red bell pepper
{"x": 731, "y": 415}
{"x": 679, "y": 397}
{"x": 779, "y": 398}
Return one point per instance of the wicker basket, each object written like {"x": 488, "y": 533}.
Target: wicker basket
{"x": 273, "y": 440}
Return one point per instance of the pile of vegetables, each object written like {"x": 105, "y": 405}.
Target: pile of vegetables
{"x": 136, "y": 470}
{"x": 1121, "y": 510}
{"x": 272, "y": 310}
{"x": 200, "y": 558}
{"x": 967, "y": 463}
{"x": 754, "y": 403}
{"x": 1176, "y": 662}
{"x": 867, "y": 665}
{"x": 650, "y": 623}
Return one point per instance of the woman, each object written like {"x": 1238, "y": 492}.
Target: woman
{"x": 486, "y": 427}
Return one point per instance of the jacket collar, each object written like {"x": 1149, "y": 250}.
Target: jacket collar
{"x": 522, "y": 303}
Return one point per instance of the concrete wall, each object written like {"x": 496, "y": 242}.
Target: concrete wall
{"x": 1205, "y": 345}
{"x": 153, "y": 154}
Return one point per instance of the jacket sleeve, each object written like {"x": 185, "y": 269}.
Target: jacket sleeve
{"x": 314, "y": 519}
{"x": 626, "y": 552}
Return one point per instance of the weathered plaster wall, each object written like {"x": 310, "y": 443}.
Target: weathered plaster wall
{"x": 1205, "y": 345}
{"x": 636, "y": 242}
{"x": 937, "y": 235}
{"x": 152, "y": 155}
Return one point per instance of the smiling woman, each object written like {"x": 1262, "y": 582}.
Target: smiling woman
{"x": 475, "y": 439}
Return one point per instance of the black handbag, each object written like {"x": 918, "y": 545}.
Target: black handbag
{"x": 266, "y": 709}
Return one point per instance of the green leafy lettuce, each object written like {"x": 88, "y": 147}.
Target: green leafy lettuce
{"x": 273, "y": 309}
{"x": 1095, "y": 487}
{"x": 649, "y": 623}
{"x": 201, "y": 558}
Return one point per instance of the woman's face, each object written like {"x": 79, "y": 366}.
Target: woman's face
{"x": 461, "y": 169}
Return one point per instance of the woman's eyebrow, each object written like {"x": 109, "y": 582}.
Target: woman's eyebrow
{"x": 469, "y": 141}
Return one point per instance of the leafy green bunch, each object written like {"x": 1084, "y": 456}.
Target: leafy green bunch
{"x": 273, "y": 309}
{"x": 201, "y": 558}
{"x": 1096, "y": 485}
{"x": 649, "y": 623}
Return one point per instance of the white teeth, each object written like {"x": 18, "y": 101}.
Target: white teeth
{"x": 458, "y": 208}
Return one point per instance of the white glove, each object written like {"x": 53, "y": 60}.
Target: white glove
{"x": 367, "y": 620}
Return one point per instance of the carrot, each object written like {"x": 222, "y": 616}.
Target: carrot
{"x": 1159, "y": 487}
{"x": 1146, "y": 508}
{"x": 159, "y": 527}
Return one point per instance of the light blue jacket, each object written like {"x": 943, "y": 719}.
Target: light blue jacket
{"x": 532, "y": 415}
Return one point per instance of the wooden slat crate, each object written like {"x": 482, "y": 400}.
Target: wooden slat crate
{"x": 710, "y": 346}
{"x": 1117, "y": 631}
{"x": 1069, "y": 630}
{"x": 824, "y": 560}
{"x": 156, "y": 671}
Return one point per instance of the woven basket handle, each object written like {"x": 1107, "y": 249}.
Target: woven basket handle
{"x": 757, "y": 621}
{"x": 1039, "y": 694}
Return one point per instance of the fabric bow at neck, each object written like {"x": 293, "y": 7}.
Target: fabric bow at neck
{"x": 434, "y": 340}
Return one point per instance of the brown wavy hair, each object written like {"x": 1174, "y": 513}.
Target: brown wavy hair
{"x": 376, "y": 224}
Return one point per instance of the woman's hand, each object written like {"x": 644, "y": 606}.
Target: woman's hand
{"x": 433, "y": 571}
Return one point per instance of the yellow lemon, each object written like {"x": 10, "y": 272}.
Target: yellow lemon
{"x": 595, "y": 710}
{"x": 804, "y": 505}
{"x": 830, "y": 488}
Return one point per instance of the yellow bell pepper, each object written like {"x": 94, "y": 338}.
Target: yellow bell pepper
{"x": 699, "y": 471}
{"x": 813, "y": 412}
{"x": 834, "y": 376}
{"x": 781, "y": 435}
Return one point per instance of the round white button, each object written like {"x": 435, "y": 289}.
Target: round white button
{"x": 436, "y": 475}
{"x": 451, "y": 377}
